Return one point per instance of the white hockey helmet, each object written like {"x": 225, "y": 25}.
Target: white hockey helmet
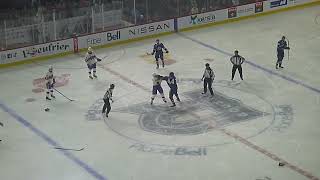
{"x": 50, "y": 68}
{"x": 89, "y": 49}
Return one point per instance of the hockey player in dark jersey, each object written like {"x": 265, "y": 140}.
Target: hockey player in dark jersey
{"x": 282, "y": 45}
{"x": 172, "y": 83}
{"x": 157, "y": 51}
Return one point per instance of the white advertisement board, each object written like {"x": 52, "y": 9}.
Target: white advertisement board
{"x": 40, "y": 50}
{"x": 125, "y": 34}
{"x": 271, "y": 5}
{"x": 200, "y": 19}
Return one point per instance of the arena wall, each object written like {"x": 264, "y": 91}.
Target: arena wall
{"x": 135, "y": 33}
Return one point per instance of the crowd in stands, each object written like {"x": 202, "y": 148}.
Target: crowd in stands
{"x": 33, "y": 14}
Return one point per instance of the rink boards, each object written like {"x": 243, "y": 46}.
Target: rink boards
{"x": 135, "y": 33}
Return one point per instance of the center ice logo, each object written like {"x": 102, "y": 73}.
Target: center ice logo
{"x": 220, "y": 112}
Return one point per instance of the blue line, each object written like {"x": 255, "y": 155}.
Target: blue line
{"x": 255, "y": 65}
{"x": 52, "y": 142}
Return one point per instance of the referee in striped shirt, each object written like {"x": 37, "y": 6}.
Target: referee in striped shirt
{"x": 107, "y": 98}
{"x": 237, "y": 61}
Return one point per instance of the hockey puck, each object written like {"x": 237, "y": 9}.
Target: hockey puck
{"x": 281, "y": 164}
{"x": 47, "y": 109}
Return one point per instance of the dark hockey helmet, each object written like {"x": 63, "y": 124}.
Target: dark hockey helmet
{"x": 111, "y": 86}
{"x": 171, "y": 74}
{"x": 207, "y": 64}
{"x": 157, "y": 40}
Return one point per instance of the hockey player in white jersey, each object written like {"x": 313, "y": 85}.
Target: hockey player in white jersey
{"x": 50, "y": 81}
{"x": 91, "y": 60}
{"x": 157, "y": 79}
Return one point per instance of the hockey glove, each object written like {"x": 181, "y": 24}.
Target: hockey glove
{"x": 98, "y": 59}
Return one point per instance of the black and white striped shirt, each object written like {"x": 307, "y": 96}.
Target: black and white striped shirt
{"x": 108, "y": 94}
{"x": 237, "y": 60}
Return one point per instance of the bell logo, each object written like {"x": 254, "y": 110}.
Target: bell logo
{"x": 111, "y": 36}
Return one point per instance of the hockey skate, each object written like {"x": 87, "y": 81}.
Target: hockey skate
{"x": 47, "y": 98}
{"x": 95, "y": 76}
{"x": 53, "y": 96}
{"x": 90, "y": 77}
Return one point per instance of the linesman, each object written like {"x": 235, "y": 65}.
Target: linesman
{"x": 208, "y": 77}
{"x": 107, "y": 98}
{"x": 237, "y": 61}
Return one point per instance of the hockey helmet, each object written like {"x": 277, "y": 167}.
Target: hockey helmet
{"x": 171, "y": 74}
{"x": 111, "y": 86}
{"x": 207, "y": 64}
{"x": 89, "y": 49}
{"x": 50, "y": 68}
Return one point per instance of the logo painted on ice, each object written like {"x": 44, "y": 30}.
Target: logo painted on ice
{"x": 278, "y": 3}
{"x": 40, "y": 83}
{"x": 197, "y": 19}
{"x": 197, "y": 114}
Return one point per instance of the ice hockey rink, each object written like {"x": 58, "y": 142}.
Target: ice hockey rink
{"x": 242, "y": 133}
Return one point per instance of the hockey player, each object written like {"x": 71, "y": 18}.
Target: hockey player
{"x": 282, "y": 45}
{"x": 91, "y": 60}
{"x": 172, "y": 83}
{"x": 50, "y": 81}
{"x": 107, "y": 98}
{"x": 157, "y": 79}
{"x": 208, "y": 77}
{"x": 157, "y": 50}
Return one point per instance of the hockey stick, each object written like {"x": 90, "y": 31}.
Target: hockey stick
{"x": 63, "y": 95}
{"x": 69, "y": 149}
{"x": 288, "y": 49}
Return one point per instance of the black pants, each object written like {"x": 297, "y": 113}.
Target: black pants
{"x": 280, "y": 55}
{"x": 234, "y": 69}
{"x": 173, "y": 92}
{"x": 207, "y": 84}
{"x": 106, "y": 106}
